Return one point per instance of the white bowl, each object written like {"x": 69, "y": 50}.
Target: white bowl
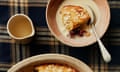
{"x": 102, "y": 12}
{"x": 27, "y": 65}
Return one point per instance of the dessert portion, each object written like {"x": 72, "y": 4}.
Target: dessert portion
{"x": 54, "y": 68}
{"x": 75, "y": 19}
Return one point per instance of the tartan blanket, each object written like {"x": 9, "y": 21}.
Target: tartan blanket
{"x": 45, "y": 42}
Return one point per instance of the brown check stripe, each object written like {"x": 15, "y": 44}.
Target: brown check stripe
{"x": 45, "y": 42}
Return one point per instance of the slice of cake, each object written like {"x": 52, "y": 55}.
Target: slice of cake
{"x": 75, "y": 18}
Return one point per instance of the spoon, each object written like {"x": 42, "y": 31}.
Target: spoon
{"x": 105, "y": 54}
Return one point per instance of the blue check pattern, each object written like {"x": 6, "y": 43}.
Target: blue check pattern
{"x": 45, "y": 42}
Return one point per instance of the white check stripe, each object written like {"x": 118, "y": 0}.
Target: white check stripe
{"x": 4, "y": 37}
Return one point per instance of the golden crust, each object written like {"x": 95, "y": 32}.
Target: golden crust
{"x": 74, "y": 16}
{"x": 54, "y": 68}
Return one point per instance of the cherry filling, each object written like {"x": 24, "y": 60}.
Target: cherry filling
{"x": 78, "y": 32}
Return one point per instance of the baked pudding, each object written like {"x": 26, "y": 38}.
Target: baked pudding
{"x": 75, "y": 19}
{"x": 54, "y": 68}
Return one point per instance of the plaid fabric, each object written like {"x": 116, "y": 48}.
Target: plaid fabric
{"x": 44, "y": 41}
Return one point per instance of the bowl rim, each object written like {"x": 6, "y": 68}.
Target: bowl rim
{"x": 100, "y": 7}
{"x": 50, "y": 56}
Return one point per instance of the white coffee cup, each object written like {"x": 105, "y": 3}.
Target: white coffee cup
{"x": 20, "y": 28}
